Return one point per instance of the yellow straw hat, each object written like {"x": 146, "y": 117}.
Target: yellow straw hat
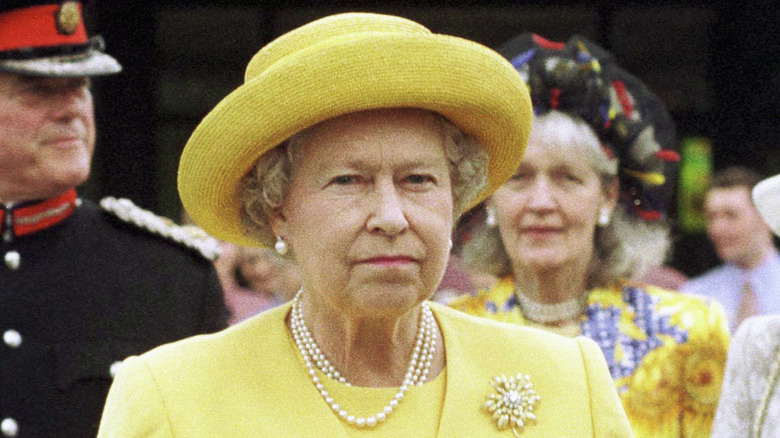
{"x": 338, "y": 65}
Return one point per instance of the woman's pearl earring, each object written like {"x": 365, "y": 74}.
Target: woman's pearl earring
{"x": 280, "y": 246}
{"x": 603, "y": 219}
{"x": 449, "y": 245}
{"x": 490, "y": 217}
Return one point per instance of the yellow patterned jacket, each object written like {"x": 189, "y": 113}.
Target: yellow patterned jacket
{"x": 666, "y": 351}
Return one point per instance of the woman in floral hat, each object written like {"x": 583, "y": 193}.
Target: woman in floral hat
{"x": 581, "y": 217}
{"x": 353, "y": 145}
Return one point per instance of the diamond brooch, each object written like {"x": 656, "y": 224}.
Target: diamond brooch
{"x": 512, "y": 405}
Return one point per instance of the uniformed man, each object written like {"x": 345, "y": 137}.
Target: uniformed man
{"x": 82, "y": 286}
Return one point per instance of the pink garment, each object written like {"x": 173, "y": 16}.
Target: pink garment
{"x": 665, "y": 277}
{"x": 244, "y": 303}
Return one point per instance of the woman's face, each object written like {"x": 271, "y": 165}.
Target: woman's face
{"x": 547, "y": 212}
{"x": 368, "y": 213}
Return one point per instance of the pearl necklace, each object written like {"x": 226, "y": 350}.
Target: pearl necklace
{"x": 416, "y": 373}
{"x": 548, "y": 313}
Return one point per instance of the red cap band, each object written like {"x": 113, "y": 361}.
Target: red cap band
{"x": 36, "y": 27}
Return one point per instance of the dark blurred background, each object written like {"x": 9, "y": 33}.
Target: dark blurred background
{"x": 714, "y": 64}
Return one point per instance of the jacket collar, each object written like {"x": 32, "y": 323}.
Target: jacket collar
{"x": 468, "y": 375}
{"x": 30, "y": 217}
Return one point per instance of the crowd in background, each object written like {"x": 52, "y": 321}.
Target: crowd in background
{"x": 573, "y": 240}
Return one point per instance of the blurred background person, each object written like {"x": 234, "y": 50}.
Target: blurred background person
{"x": 665, "y": 277}
{"x": 582, "y": 216}
{"x": 457, "y": 281}
{"x": 750, "y": 401}
{"x": 82, "y": 286}
{"x": 746, "y": 284}
{"x": 750, "y": 398}
{"x": 255, "y": 279}
{"x": 353, "y": 146}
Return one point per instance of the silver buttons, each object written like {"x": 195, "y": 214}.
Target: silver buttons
{"x": 12, "y": 260}
{"x": 114, "y": 368}
{"x": 9, "y": 427}
{"x": 12, "y": 338}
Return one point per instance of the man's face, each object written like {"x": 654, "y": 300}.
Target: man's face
{"x": 734, "y": 225}
{"x": 47, "y": 135}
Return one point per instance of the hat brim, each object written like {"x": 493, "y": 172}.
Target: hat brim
{"x": 766, "y": 197}
{"x": 469, "y": 84}
{"x": 91, "y": 63}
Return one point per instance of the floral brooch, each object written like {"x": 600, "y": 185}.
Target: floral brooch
{"x": 512, "y": 405}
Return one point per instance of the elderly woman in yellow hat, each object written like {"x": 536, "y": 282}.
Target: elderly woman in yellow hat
{"x": 353, "y": 145}
{"x": 582, "y": 217}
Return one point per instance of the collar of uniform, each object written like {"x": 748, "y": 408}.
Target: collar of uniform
{"x": 18, "y": 220}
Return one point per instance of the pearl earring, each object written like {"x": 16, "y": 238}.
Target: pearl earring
{"x": 603, "y": 219}
{"x": 490, "y": 217}
{"x": 449, "y": 245}
{"x": 280, "y": 246}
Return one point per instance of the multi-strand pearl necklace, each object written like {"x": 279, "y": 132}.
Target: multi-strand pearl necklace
{"x": 416, "y": 373}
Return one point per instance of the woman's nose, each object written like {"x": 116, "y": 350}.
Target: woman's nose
{"x": 541, "y": 195}
{"x": 387, "y": 211}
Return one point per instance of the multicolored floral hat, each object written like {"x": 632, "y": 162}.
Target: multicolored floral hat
{"x": 582, "y": 79}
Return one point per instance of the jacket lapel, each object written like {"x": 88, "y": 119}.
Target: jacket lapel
{"x": 287, "y": 379}
{"x": 467, "y": 384}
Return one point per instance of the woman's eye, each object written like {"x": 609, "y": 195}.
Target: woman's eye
{"x": 419, "y": 179}
{"x": 520, "y": 176}
{"x": 344, "y": 180}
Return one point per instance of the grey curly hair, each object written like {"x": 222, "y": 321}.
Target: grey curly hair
{"x": 625, "y": 248}
{"x": 263, "y": 189}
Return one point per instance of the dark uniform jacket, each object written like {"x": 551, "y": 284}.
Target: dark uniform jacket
{"x": 82, "y": 288}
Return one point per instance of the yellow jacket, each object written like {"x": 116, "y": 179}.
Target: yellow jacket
{"x": 250, "y": 381}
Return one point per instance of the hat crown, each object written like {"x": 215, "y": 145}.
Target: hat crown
{"x": 319, "y": 31}
{"x": 49, "y": 38}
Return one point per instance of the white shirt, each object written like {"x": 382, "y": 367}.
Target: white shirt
{"x": 724, "y": 284}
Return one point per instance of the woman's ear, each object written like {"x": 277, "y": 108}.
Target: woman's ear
{"x": 278, "y": 221}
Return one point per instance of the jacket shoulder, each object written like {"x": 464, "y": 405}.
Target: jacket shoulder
{"x": 262, "y": 331}
{"x": 188, "y": 236}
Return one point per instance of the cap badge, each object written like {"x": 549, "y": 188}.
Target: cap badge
{"x": 68, "y": 17}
